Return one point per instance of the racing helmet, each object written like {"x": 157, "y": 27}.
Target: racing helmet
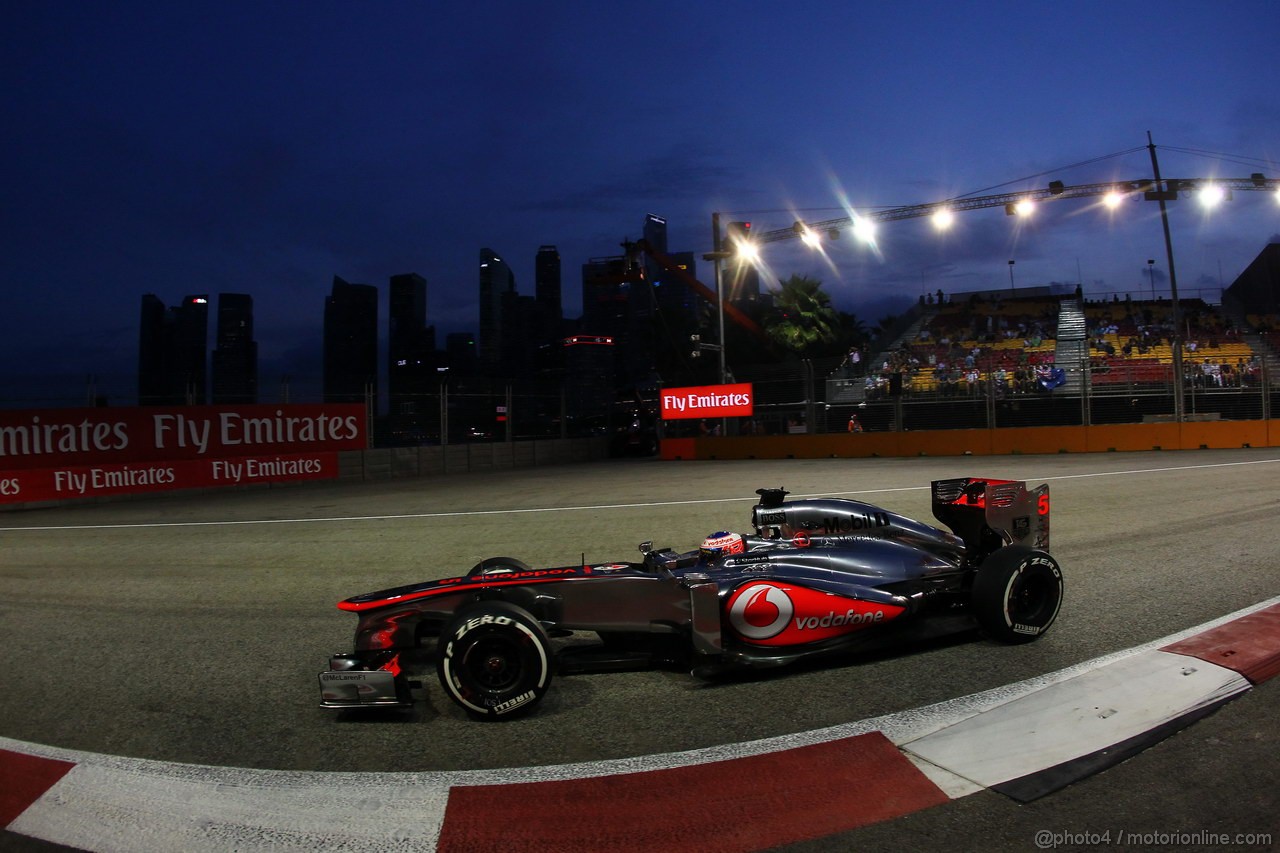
{"x": 719, "y": 544}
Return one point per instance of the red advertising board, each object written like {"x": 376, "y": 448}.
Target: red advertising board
{"x": 54, "y": 484}
{"x": 708, "y": 401}
{"x": 54, "y": 454}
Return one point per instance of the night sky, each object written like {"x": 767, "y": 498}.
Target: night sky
{"x": 266, "y": 147}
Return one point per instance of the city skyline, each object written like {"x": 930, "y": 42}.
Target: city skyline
{"x": 397, "y": 358}
{"x": 232, "y": 148}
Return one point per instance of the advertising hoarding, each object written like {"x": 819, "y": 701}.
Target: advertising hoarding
{"x": 708, "y": 401}
{"x": 55, "y": 454}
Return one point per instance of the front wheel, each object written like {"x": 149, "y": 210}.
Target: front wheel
{"x": 495, "y": 660}
{"x": 498, "y": 566}
{"x": 1017, "y": 593}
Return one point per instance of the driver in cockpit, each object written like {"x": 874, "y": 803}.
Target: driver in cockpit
{"x": 719, "y": 545}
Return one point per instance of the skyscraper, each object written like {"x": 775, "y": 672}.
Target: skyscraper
{"x": 411, "y": 360}
{"x": 605, "y": 286}
{"x": 675, "y": 297}
{"x": 521, "y": 330}
{"x": 350, "y": 342}
{"x": 172, "y": 351}
{"x": 496, "y": 280}
{"x": 410, "y": 341}
{"x": 235, "y": 358}
{"x": 655, "y": 234}
{"x": 460, "y": 352}
{"x": 546, "y": 275}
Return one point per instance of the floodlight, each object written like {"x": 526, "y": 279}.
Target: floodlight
{"x": 1211, "y": 195}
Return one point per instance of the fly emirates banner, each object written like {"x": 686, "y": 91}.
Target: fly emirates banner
{"x": 708, "y": 401}
{"x": 56, "y": 454}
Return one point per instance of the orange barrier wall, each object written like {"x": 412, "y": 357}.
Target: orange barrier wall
{"x": 983, "y": 442}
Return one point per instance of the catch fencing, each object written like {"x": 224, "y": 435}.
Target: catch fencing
{"x": 797, "y": 397}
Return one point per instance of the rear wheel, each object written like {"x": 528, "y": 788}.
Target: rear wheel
{"x": 1017, "y": 593}
{"x": 495, "y": 660}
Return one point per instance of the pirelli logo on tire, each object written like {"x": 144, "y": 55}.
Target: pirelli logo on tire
{"x": 497, "y": 660}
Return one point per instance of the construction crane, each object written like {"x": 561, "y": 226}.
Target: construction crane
{"x": 633, "y": 250}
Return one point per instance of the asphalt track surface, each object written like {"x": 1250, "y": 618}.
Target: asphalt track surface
{"x": 191, "y": 629}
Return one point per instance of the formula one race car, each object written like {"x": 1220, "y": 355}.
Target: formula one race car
{"x": 817, "y": 576}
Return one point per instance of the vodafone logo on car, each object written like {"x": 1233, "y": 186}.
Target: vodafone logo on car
{"x": 759, "y": 611}
{"x": 772, "y": 614}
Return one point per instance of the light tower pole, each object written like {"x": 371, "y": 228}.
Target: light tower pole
{"x": 1161, "y": 193}
{"x": 716, "y": 256}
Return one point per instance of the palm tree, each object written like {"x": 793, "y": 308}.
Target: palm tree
{"x": 803, "y": 321}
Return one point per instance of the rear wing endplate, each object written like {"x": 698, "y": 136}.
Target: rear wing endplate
{"x": 979, "y": 509}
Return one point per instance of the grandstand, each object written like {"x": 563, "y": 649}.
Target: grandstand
{"x": 1046, "y": 356}
{"x": 979, "y": 345}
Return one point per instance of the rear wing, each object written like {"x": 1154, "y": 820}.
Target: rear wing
{"x": 988, "y": 514}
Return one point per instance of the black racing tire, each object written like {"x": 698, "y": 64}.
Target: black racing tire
{"x": 1017, "y": 593}
{"x": 497, "y": 566}
{"x": 495, "y": 660}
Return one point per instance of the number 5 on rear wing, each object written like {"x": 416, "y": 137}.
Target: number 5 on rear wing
{"x": 988, "y": 514}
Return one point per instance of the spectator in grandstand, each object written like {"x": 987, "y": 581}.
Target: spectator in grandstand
{"x": 951, "y": 383}
{"x": 1020, "y": 383}
{"x": 1000, "y": 380}
{"x": 1249, "y": 372}
{"x": 873, "y": 386}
